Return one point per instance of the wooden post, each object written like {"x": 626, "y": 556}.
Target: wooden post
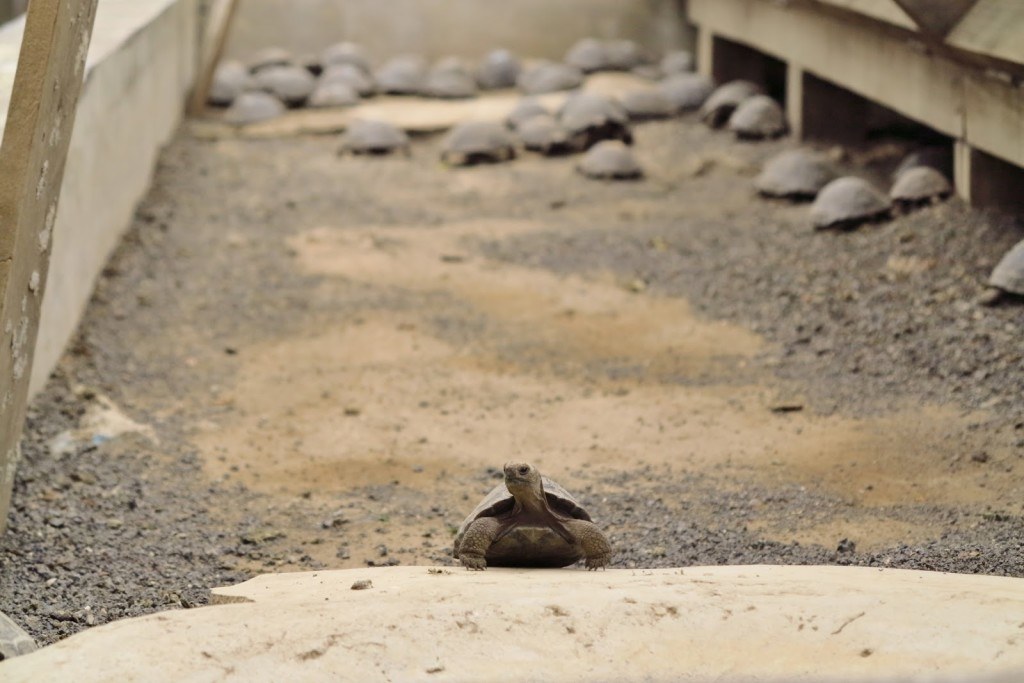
{"x": 51, "y": 67}
{"x": 210, "y": 50}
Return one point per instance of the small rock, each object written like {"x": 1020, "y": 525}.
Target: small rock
{"x": 981, "y": 456}
{"x": 846, "y": 546}
{"x": 362, "y": 584}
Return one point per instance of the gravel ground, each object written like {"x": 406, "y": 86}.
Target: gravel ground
{"x": 863, "y": 322}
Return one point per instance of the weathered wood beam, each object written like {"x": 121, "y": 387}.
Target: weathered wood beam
{"x": 210, "y": 50}
{"x": 51, "y": 67}
{"x": 936, "y": 17}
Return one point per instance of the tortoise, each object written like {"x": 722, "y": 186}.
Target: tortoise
{"x": 795, "y": 174}
{"x": 542, "y": 133}
{"x": 268, "y": 57}
{"x": 590, "y": 117}
{"x": 525, "y": 109}
{"x": 230, "y": 79}
{"x": 610, "y": 160}
{"x": 720, "y": 104}
{"x": 291, "y": 84}
{"x": 676, "y": 62}
{"x": 350, "y": 75}
{"x": 345, "y": 53}
{"x": 686, "y": 91}
{"x": 758, "y": 117}
{"x": 647, "y": 103}
{"x": 333, "y": 94}
{"x": 1007, "y": 278}
{"x": 478, "y": 142}
{"x": 919, "y": 185}
{"x": 623, "y": 55}
{"x": 498, "y": 69}
{"x": 402, "y": 75}
{"x": 847, "y": 202}
{"x": 546, "y": 76}
{"x": 530, "y": 521}
{"x": 252, "y": 107}
{"x": 939, "y": 157}
{"x": 373, "y": 137}
{"x": 588, "y": 55}
{"x": 450, "y": 79}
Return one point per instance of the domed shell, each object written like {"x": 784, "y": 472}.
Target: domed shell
{"x": 590, "y": 117}
{"x": 796, "y": 174}
{"x": 402, "y": 75}
{"x": 623, "y": 55}
{"x": 350, "y": 75}
{"x": 542, "y": 133}
{"x": 230, "y": 79}
{"x": 373, "y": 137}
{"x": 333, "y": 94}
{"x": 474, "y": 142}
{"x": 676, "y": 62}
{"x": 253, "y": 107}
{"x": 647, "y": 103}
{"x": 450, "y": 80}
{"x": 847, "y": 202}
{"x": 939, "y": 157}
{"x": 291, "y": 84}
{"x": 499, "y": 501}
{"x": 588, "y": 55}
{"x": 721, "y": 103}
{"x": 610, "y": 160}
{"x": 758, "y": 117}
{"x": 545, "y": 77}
{"x": 525, "y": 109}
{"x": 1008, "y": 275}
{"x": 687, "y": 91}
{"x": 268, "y": 57}
{"x": 345, "y": 53}
{"x": 499, "y": 69}
{"x": 920, "y": 184}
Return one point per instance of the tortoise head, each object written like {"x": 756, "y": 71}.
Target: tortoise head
{"x": 523, "y": 479}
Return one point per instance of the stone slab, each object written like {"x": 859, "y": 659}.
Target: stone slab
{"x": 739, "y": 623}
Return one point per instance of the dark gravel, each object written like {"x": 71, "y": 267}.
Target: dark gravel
{"x": 865, "y": 320}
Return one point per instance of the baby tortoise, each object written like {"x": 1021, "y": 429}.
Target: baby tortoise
{"x": 291, "y": 84}
{"x": 645, "y": 104}
{"x": 530, "y": 521}
{"x": 919, "y": 185}
{"x": 546, "y": 76}
{"x": 757, "y": 118}
{"x": 542, "y": 133}
{"x": 230, "y": 79}
{"x": 374, "y": 138}
{"x": 402, "y": 75}
{"x": 720, "y": 105}
{"x": 1007, "y": 278}
{"x": 478, "y": 142}
{"x": 610, "y": 160}
{"x": 253, "y": 107}
{"x": 847, "y": 202}
{"x": 499, "y": 69}
{"x": 686, "y": 91}
{"x": 797, "y": 174}
{"x": 590, "y": 118}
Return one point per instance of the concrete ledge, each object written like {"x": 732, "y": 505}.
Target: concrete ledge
{"x": 699, "y": 623}
{"x": 140, "y": 65}
{"x": 470, "y": 28}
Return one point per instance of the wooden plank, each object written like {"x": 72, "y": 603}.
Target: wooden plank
{"x": 993, "y": 28}
{"x": 51, "y": 67}
{"x": 211, "y": 49}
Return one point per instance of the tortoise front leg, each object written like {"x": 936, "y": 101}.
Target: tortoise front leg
{"x": 597, "y": 551}
{"x": 476, "y": 541}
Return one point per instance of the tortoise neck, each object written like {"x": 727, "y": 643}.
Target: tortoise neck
{"x": 530, "y": 498}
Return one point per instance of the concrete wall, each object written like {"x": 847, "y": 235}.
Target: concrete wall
{"x": 141, "y": 63}
{"x": 469, "y": 28}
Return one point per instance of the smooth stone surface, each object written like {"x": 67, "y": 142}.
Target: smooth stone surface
{"x": 740, "y": 623}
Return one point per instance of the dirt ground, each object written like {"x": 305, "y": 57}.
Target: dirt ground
{"x": 299, "y": 361}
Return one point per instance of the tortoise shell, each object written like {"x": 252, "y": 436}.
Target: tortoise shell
{"x": 291, "y": 84}
{"x": 542, "y": 133}
{"x": 796, "y": 174}
{"x": 920, "y": 184}
{"x": 374, "y": 137}
{"x": 848, "y": 201}
{"x": 402, "y": 75}
{"x": 610, "y": 160}
{"x": 527, "y": 544}
{"x": 758, "y": 117}
{"x": 1008, "y": 275}
{"x": 686, "y": 91}
{"x": 475, "y": 142}
{"x": 545, "y": 77}
{"x": 720, "y": 104}
{"x": 253, "y": 107}
{"x": 499, "y": 69}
